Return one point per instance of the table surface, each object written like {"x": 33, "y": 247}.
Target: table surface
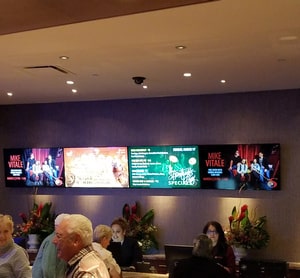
{"x": 143, "y": 275}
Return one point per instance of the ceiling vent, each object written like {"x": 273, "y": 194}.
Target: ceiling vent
{"x": 56, "y": 68}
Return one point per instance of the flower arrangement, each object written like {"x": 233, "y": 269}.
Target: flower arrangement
{"x": 141, "y": 228}
{"x": 39, "y": 221}
{"x": 245, "y": 231}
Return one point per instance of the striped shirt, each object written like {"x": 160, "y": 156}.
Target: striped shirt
{"x": 86, "y": 264}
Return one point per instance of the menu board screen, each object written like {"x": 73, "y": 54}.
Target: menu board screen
{"x": 164, "y": 167}
{"x": 96, "y": 167}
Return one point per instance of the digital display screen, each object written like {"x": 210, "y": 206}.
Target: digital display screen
{"x": 164, "y": 167}
{"x": 96, "y": 167}
{"x": 240, "y": 167}
{"x": 34, "y": 167}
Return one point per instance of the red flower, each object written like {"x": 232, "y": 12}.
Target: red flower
{"x": 39, "y": 220}
{"x": 134, "y": 209}
{"x": 24, "y": 217}
{"x": 242, "y": 216}
{"x": 245, "y": 230}
{"x": 244, "y": 208}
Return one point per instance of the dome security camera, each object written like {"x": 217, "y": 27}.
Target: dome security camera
{"x": 138, "y": 79}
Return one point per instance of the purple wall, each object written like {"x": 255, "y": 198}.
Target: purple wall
{"x": 260, "y": 117}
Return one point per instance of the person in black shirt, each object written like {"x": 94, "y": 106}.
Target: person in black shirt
{"x": 222, "y": 253}
{"x": 125, "y": 250}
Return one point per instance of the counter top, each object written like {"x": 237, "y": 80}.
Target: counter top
{"x": 143, "y": 275}
{"x": 294, "y": 265}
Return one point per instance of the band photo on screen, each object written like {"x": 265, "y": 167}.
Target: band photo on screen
{"x": 240, "y": 167}
{"x": 34, "y": 167}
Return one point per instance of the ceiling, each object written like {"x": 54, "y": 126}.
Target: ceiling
{"x": 252, "y": 44}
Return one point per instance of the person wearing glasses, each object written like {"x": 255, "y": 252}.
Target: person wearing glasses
{"x": 73, "y": 239}
{"x": 222, "y": 252}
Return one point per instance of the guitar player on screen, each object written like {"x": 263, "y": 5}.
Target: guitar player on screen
{"x": 265, "y": 173}
{"x": 264, "y": 166}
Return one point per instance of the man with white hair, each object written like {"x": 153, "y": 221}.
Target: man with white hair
{"x": 73, "y": 239}
{"x": 46, "y": 263}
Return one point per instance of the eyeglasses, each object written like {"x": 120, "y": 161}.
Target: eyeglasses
{"x": 211, "y": 232}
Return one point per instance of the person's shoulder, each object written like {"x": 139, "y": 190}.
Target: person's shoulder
{"x": 130, "y": 240}
{"x": 48, "y": 239}
{"x": 20, "y": 251}
{"x": 229, "y": 249}
{"x": 19, "y": 248}
{"x": 90, "y": 261}
{"x": 104, "y": 253}
{"x": 187, "y": 261}
{"x": 97, "y": 246}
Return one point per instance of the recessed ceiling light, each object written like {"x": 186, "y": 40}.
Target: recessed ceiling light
{"x": 70, "y": 82}
{"x": 64, "y": 57}
{"x": 180, "y": 47}
{"x": 288, "y": 38}
{"x": 187, "y": 74}
{"x": 10, "y": 94}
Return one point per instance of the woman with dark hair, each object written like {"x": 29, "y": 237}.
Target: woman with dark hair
{"x": 222, "y": 252}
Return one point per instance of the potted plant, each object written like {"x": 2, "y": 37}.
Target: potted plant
{"x": 141, "y": 227}
{"x": 247, "y": 231}
{"x": 38, "y": 222}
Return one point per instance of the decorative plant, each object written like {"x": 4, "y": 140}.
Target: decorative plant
{"x": 245, "y": 231}
{"x": 141, "y": 228}
{"x": 39, "y": 221}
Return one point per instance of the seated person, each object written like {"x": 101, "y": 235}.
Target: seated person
{"x": 255, "y": 174}
{"x": 37, "y": 172}
{"x": 242, "y": 171}
{"x": 102, "y": 238}
{"x": 200, "y": 264}
{"x": 125, "y": 250}
{"x": 222, "y": 252}
{"x": 48, "y": 178}
{"x": 52, "y": 165}
{"x": 14, "y": 260}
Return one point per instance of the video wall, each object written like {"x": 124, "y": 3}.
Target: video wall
{"x": 227, "y": 167}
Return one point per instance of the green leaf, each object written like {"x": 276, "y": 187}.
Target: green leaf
{"x": 147, "y": 218}
{"x": 234, "y": 212}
